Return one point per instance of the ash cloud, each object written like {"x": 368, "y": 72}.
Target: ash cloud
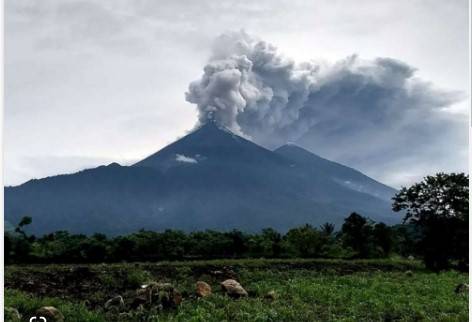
{"x": 355, "y": 111}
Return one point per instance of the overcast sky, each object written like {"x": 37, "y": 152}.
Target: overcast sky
{"x": 92, "y": 82}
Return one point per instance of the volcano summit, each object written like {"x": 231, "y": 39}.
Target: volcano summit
{"x": 209, "y": 179}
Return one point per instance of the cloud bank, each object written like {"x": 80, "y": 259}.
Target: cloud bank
{"x": 353, "y": 110}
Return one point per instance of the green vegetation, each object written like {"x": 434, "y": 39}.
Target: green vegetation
{"x": 438, "y": 207}
{"x": 306, "y": 290}
{"x": 360, "y": 272}
{"x": 305, "y": 241}
{"x": 436, "y": 230}
{"x": 27, "y": 305}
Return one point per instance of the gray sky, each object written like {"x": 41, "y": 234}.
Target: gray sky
{"x": 91, "y": 82}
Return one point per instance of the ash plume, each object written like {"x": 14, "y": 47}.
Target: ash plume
{"x": 366, "y": 106}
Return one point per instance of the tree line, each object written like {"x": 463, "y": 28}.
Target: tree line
{"x": 435, "y": 229}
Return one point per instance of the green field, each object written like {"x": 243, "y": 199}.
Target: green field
{"x": 305, "y": 290}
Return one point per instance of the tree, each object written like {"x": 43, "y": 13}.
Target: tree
{"x": 272, "y": 239}
{"x": 7, "y": 247}
{"x": 356, "y": 233}
{"x": 123, "y": 248}
{"x": 383, "y": 238}
{"x": 18, "y": 243}
{"x": 439, "y": 207}
{"x": 327, "y": 228}
{"x": 238, "y": 242}
{"x": 25, "y": 221}
{"x": 305, "y": 241}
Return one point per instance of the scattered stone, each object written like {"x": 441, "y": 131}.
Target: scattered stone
{"x": 233, "y": 288}
{"x": 164, "y": 294}
{"x": 462, "y": 288}
{"x": 176, "y": 298}
{"x": 271, "y": 295}
{"x": 115, "y": 302}
{"x": 125, "y": 315}
{"x": 12, "y": 314}
{"x": 216, "y": 273}
{"x": 202, "y": 289}
{"x": 409, "y": 273}
{"x": 228, "y": 271}
{"x": 142, "y": 297}
{"x": 163, "y": 286}
{"x": 50, "y": 313}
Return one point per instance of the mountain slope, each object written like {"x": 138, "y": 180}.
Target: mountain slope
{"x": 348, "y": 177}
{"x": 209, "y": 179}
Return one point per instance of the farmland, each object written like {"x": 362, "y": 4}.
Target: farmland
{"x": 278, "y": 290}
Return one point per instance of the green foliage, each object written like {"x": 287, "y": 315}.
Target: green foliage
{"x": 436, "y": 229}
{"x": 25, "y": 221}
{"x": 135, "y": 278}
{"x": 357, "y": 231}
{"x": 383, "y": 238}
{"x": 305, "y": 241}
{"x": 439, "y": 208}
{"x": 27, "y": 306}
{"x": 327, "y": 229}
{"x": 441, "y": 196}
{"x": 355, "y": 290}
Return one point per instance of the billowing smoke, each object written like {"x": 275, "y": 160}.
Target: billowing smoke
{"x": 375, "y": 107}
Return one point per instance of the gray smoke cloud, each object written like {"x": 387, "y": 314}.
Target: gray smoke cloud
{"x": 341, "y": 110}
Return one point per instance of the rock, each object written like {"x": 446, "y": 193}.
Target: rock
{"x": 115, "y": 302}
{"x": 143, "y": 296}
{"x": 216, "y": 273}
{"x": 50, "y": 313}
{"x": 164, "y": 294}
{"x": 177, "y": 298}
{"x": 271, "y": 295}
{"x": 228, "y": 271}
{"x": 202, "y": 289}
{"x": 462, "y": 288}
{"x": 12, "y": 314}
{"x": 411, "y": 258}
{"x": 233, "y": 288}
{"x": 409, "y": 273}
{"x": 163, "y": 286}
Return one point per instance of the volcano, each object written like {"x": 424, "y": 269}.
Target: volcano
{"x": 209, "y": 179}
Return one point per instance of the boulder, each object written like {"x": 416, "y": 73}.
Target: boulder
{"x": 12, "y": 314}
{"x": 115, "y": 302}
{"x": 202, "y": 289}
{"x": 233, "y": 288}
{"x": 411, "y": 258}
{"x": 409, "y": 273}
{"x": 164, "y": 294}
{"x": 50, "y": 313}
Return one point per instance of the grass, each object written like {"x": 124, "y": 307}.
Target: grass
{"x": 340, "y": 291}
{"x": 27, "y": 306}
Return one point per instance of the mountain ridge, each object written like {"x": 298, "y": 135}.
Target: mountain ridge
{"x": 209, "y": 179}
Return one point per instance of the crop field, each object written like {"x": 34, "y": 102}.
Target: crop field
{"x": 277, "y": 290}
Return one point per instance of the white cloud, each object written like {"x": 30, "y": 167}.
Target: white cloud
{"x": 185, "y": 159}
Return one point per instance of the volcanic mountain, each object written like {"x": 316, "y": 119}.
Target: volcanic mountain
{"x": 209, "y": 179}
